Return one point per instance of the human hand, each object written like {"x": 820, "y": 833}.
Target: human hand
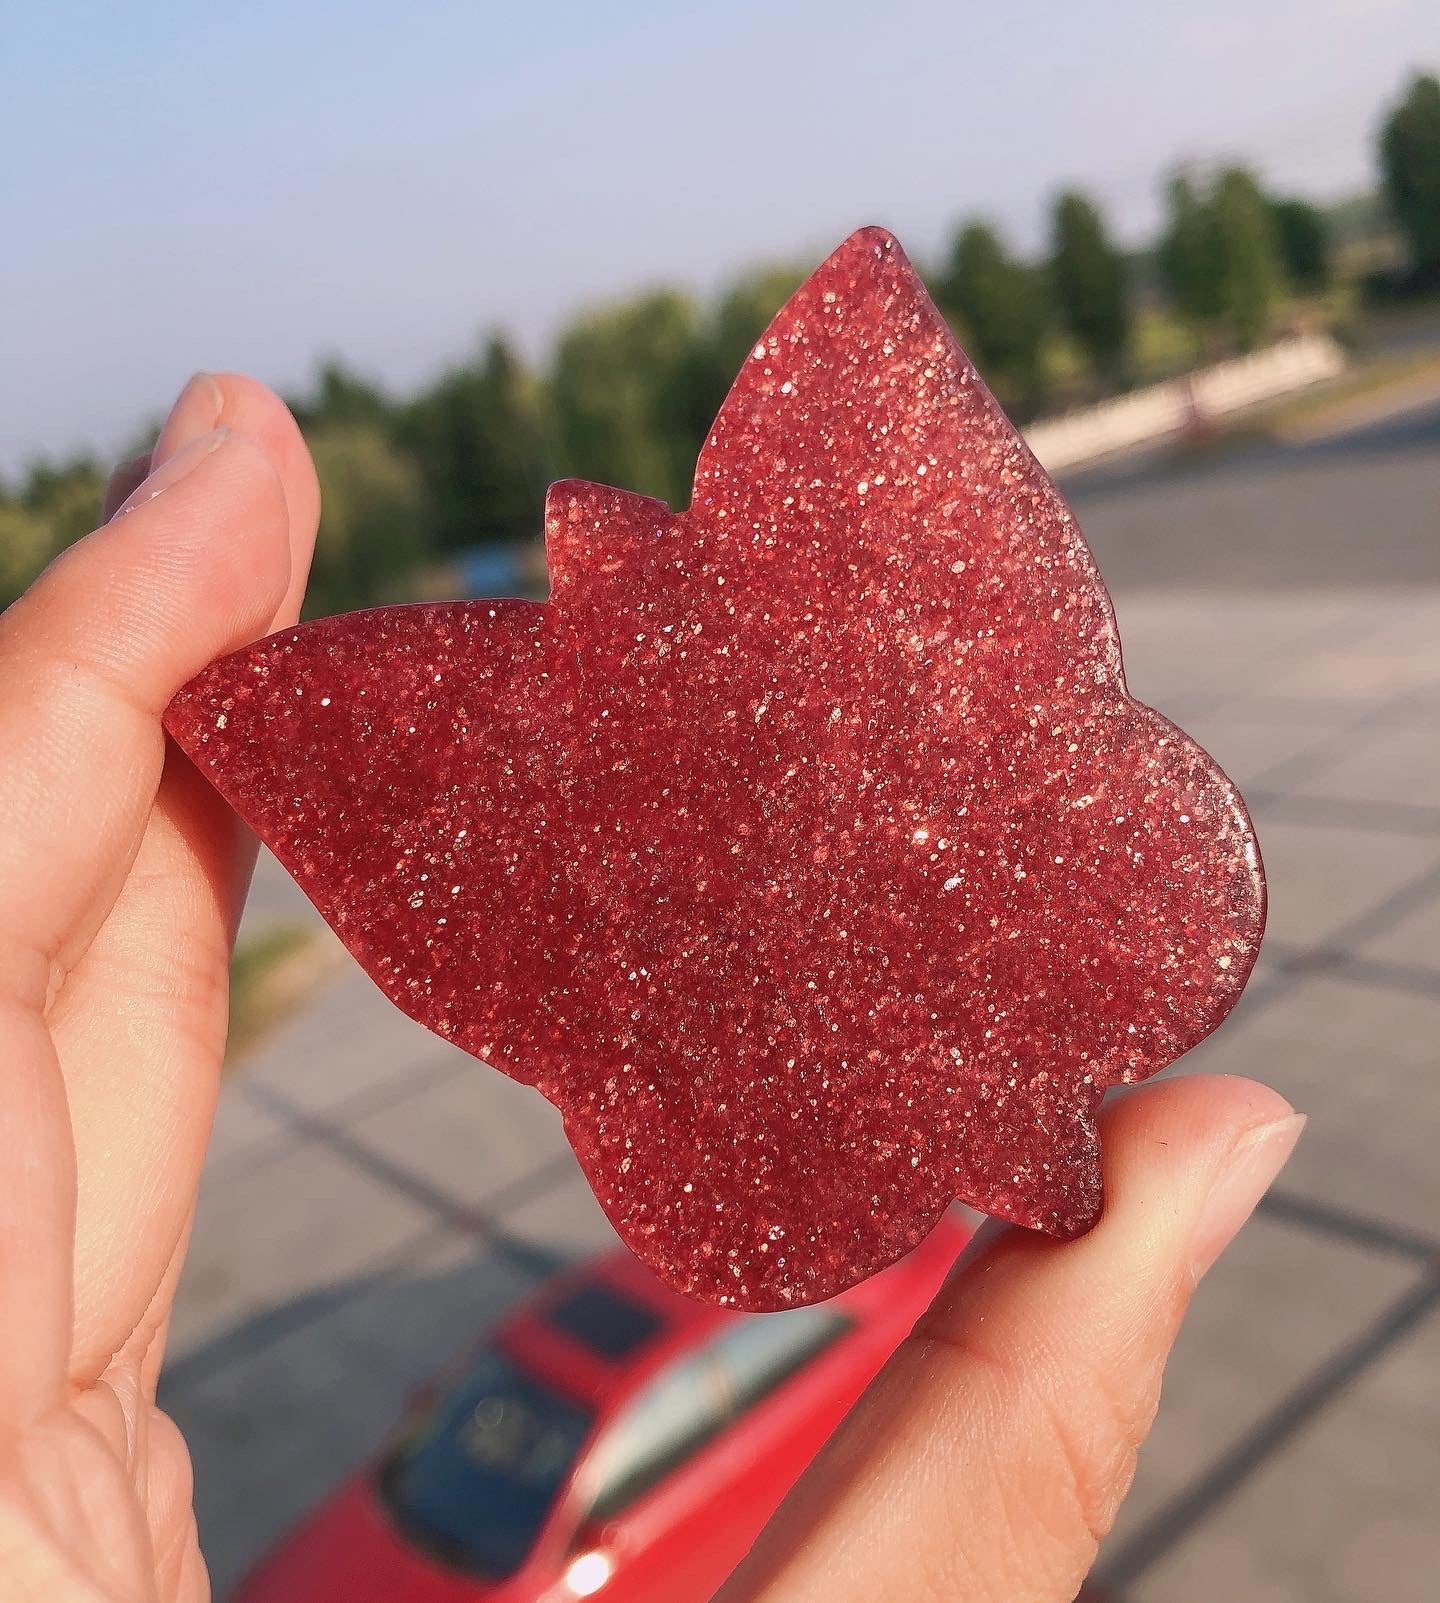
{"x": 985, "y": 1462}
{"x": 989, "y": 1458}
{"x": 121, "y": 880}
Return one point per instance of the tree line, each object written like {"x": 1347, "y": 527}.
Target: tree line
{"x": 629, "y": 389}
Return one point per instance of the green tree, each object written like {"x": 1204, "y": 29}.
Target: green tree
{"x": 27, "y": 543}
{"x": 478, "y": 436}
{"x": 1220, "y": 256}
{"x": 743, "y": 314}
{"x": 342, "y": 396}
{"x": 374, "y": 519}
{"x": 1304, "y": 240}
{"x": 1248, "y": 254}
{"x": 1089, "y": 280}
{"x": 630, "y": 392}
{"x": 1410, "y": 165}
{"x": 723, "y": 343}
{"x": 1187, "y": 258}
{"x": 65, "y": 497}
{"x": 1002, "y": 302}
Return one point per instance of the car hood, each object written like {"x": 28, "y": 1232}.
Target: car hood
{"x": 348, "y": 1552}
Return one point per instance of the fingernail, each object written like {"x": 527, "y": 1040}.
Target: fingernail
{"x": 1250, "y": 1170}
{"x": 184, "y": 462}
{"x": 196, "y": 411}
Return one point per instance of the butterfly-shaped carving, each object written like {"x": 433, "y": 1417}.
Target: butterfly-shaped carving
{"x": 805, "y": 848}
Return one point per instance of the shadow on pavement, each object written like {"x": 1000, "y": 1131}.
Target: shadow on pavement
{"x": 282, "y": 1407}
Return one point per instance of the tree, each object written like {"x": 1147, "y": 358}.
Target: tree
{"x": 1187, "y": 258}
{"x": 1410, "y": 165}
{"x": 1248, "y": 253}
{"x": 1088, "y": 276}
{"x": 744, "y": 313}
{"x": 629, "y": 394}
{"x": 342, "y": 396}
{"x": 26, "y": 544}
{"x": 478, "y": 437}
{"x": 1220, "y": 256}
{"x": 723, "y": 343}
{"x": 1304, "y": 240}
{"x": 1002, "y": 303}
{"x": 65, "y": 497}
{"x": 374, "y": 520}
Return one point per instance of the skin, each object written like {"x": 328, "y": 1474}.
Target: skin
{"x": 985, "y": 1463}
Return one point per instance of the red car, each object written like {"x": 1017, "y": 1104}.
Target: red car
{"x": 613, "y": 1439}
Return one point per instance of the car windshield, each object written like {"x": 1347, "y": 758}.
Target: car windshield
{"x": 476, "y": 1479}
{"x": 605, "y": 1320}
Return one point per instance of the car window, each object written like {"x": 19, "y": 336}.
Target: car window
{"x": 760, "y": 1352}
{"x": 693, "y": 1400}
{"x": 604, "y": 1320}
{"x": 661, "y": 1426}
{"x": 476, "y": 1480}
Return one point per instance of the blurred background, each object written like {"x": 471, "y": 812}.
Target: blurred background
{"x": 1197, "y": 254}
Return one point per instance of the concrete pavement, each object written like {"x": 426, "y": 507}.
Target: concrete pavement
{"x": 374, "y": 1199}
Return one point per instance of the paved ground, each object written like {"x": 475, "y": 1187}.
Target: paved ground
{"x": 374, "y": 1199}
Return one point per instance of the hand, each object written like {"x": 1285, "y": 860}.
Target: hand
{"x": 988, "y": 1460}
{"x": 985, "y": 1462}
{"x": 121, "y": 879}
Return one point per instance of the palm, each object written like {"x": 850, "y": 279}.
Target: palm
{"x": 156, "y": 966}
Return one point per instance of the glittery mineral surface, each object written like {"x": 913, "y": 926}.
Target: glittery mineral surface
{"x": 805, "y": 848}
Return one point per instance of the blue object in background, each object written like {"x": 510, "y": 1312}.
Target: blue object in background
{"x": 492, "y": 570}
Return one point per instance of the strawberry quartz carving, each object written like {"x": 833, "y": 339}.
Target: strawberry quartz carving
{"x": 805, "y": 849}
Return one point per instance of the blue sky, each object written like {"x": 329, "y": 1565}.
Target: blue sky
{"x": 258, "y": 185}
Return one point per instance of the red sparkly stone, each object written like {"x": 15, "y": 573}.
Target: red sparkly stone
{"x": 805, "y": 848}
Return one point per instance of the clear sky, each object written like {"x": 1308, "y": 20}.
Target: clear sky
{"x": 257, "y": 185}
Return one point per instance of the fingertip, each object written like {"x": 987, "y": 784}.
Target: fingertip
{"x": 1196, "y": 1098}
{"x": 252, "y": 409}
{"x": 196, "y": 412}
{"x": 194, "y": 563}
{"x": 226, "y": 531}
{"x": 1165, "y": 1148}
{"x": 1180, "y": 1182}
{"x": 1249, "y": 1170}
{"x": 1153, "y": 1136}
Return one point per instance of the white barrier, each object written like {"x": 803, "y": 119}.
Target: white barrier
{"x": 1172, "y": 408}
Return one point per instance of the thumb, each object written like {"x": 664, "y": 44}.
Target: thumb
{"x": 990, "y": 1456}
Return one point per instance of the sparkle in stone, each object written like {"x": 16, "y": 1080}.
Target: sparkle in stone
{"x": 805, "y": 848}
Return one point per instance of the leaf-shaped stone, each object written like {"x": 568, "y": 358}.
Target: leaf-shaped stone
{"x": 805, "y": 848}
